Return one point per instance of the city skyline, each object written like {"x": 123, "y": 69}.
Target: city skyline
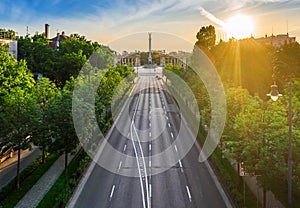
{"x": 105, "y": 21}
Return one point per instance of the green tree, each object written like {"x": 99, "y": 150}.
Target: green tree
{"x": 39, "y": 56}
{"x": 206, "y": 37}
{"x": 13, "y": 74}
{"x": 7, "y": 34}
{"x": 76, "y": 43}
{"x": 18, "y": 108}
{"x": 68, "y": 65}
{"x": 44, "y": 91}
{"x": 244, "y": 63}
{"x": 58, "y": 115}
{"x": 286, "y": 63}
{"x": 20, "y": 113}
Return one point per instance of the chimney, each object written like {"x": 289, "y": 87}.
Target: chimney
{"x": 47, "y": 31}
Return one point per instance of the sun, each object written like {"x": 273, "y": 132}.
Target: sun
{"x": 239, "y": 27}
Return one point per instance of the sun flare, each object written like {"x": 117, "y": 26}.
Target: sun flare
{"x": 239, "y": 26}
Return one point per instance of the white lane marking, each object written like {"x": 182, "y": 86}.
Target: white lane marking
{"x": 139, "y": 166}
{"x": 120, "y": 164}
{"x": 112, "y": 192}
{"x": 167, "y": 117}
{"x": 150, "y": 189}
{"x": 175, "y": 147}
{"x": 180, "y": 164}
{"x": 150, "y": 124}
{"x": 189, "y": 193}
{"x": 150, "y": 163}
{"x": 149, "y": 134}
{"x": 169, "y": 125}
{"x": 124, "y": 148}
{"x": 172, "y": 135}
{"x": 150, "y": 147}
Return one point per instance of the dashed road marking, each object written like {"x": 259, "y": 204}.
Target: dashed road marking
{"x": 125, "y": 146}
{"x": 180, "y": 164}
{"x": 120, "y": 164}
{"x": 175, "y": 147}
{"x": 112, "y": 192}
{"x": 189, "y": 193}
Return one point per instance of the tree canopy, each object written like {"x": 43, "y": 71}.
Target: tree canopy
{"x": 206, "y": 37}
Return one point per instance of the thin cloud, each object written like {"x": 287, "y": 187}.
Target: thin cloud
{"x": 142, "y": 11}
{"x": 211, "y": 17}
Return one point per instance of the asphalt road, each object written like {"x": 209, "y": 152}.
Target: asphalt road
{"x": 149, "y": 180}
{"x": 8, "y": 169}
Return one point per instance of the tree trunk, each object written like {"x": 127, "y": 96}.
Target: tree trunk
{"x": 18, "y": 165}
{"x": 264, "y": 197}
{"x": 43, "y": 154}
{"x": 66, "y": 165}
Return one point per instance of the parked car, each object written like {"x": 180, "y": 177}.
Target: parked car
{"x": 25, "y": 144}
{"x": 6, "y": 151}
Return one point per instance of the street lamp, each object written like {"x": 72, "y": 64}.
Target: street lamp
{"x": 274, "y": 94}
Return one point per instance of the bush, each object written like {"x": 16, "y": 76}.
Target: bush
{"x": 64, "y": 187}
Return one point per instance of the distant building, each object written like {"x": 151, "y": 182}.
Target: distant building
{"x": 174, "y": 58}
{"x": 54, "y": 42}
{"x": 126, "y": 58}
{"x": 277, "y": 40}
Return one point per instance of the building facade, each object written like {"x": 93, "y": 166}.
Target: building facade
{"x": 277, "y": 40}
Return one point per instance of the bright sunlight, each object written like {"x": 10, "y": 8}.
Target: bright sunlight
{"x": 239, "y": 27}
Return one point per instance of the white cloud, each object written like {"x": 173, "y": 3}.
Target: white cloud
{"x": 211, "y": 17}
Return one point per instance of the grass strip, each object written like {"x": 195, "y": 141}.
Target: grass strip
{"x": 62, "y": 190}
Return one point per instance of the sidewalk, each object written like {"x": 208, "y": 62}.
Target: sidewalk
{"x": 271, "y": 201}
{"x": 37, "y": 192}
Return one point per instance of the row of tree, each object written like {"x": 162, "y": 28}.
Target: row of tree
{"x": 256, "y": 130}
{"x": 41, "y": 109}
{"x": 60, "y": 65}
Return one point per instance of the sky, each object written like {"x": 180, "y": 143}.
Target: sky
{"x": 106, "y": 21}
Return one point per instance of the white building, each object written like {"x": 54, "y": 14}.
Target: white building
{"x": 13, "y": 47}
{"x": 277, "y": 40}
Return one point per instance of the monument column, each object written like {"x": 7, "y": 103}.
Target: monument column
{"x": 150, "y": 55}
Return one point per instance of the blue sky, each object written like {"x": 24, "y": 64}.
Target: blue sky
{"x": 107, "y": 20}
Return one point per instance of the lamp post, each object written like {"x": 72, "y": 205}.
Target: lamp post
{"x": 274, "y": 94}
